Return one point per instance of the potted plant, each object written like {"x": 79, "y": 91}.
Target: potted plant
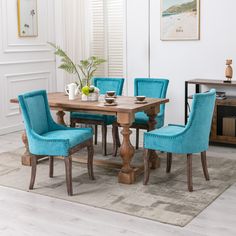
{"x": 84, "y": 71}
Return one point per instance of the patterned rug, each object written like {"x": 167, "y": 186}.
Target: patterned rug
{"x": 165, "y": 199}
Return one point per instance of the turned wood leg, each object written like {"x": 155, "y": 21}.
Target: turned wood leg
{"x": 51, "y": 165}
{"x": 95, "y": 134}
{"x": 169, "y": 162}
{"x": 189, "y": 172}
{"x": 137, "y": 138}
{"x": 155, "y": 161}
{"x": 68, "y": 168}
{"x": 90, "y": 160}
{"x": 146, "y": 158}
{"x": 126, "y": 174}
{"x": 33, "y": 171}
{"x": 60, "y": 118}
{"x": 104, "y": 139}
{"x": 26, "y": 157}
{"x": 204, "y": 165}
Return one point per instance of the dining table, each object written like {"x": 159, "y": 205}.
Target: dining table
{"x": 124, "y": 109}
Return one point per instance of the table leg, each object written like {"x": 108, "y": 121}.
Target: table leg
{"x": 126, "y": 175}
{"x": 25, "y": 158}
{"x": 60, "y": 118}
{"x": 155, "y": 161}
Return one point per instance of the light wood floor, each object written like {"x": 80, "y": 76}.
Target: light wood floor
{"x": 23, "y": 213}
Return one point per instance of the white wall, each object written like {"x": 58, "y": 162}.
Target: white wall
{"x": 26, "y": 64}
{"x": 137, "y": 41}
{"x": 180, "y": 60}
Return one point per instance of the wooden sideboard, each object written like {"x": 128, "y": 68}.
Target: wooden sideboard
{"x": 223, "y": 107}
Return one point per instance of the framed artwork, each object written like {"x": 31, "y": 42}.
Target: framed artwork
{"x": 27, "y": 18}
{"x": 180, "y": 19}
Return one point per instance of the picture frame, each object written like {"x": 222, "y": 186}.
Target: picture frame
{"x": 27, "y": 18}
{"x": 180, "y": 20}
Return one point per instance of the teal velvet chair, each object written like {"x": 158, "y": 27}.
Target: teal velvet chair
{"x": 188, "y": 139}
{"x": 104, "y": 84}
{"x": 46, "y": 138}
{"x": 154, "y": 88}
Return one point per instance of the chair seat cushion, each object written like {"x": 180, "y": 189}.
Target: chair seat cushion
{"x": 142, "y": 118}
{"x": 108, "y": 120}
{"x": 162, "y": 139}
{"x": 75, "y": 136}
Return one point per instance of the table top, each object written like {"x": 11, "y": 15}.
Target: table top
{"x": 211, "y": 82}
{"x": 124, "y": 104}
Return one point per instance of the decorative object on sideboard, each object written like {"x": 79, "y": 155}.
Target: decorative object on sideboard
{"x": 228, "y": 71}
{"x": 27, "y": 18}
{"x": 84, "y": 72}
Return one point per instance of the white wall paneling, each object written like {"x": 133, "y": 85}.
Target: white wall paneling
{"x": 26, "y": 63}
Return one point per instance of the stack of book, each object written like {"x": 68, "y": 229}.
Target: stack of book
{"x": 220, "y": 95}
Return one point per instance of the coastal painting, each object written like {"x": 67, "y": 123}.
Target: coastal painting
{"x": 27, "y": 18}
{"x": 180, "y": 19}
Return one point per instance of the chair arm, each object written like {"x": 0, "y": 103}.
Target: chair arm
{"x": 183, "y": 126}
{"x": 62, "y": 127}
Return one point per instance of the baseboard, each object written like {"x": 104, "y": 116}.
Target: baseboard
{"x": 11, "y": 129}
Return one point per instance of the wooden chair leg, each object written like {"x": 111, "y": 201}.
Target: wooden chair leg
{"x": 104, "y": 140}
{"x": 204, "y": 165}
{"x": 137, "y": 138}
{"x": 169, "y": 162}
{"x": 118, "y": 137}
{"x": 95, "y": 134}
{"x": 68, "y": 167}
{"x": 33, "y": 171}
{"x": 146, "y": 158}
{"x": 114, "y": 137}
{"x": 51, "y": 165}
{"x": 189, "y": 172}
{"x": 90, "y": 160}
{"x": 72, "y": 123}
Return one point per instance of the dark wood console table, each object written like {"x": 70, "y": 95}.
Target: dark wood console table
{"x": 223, "y": 107}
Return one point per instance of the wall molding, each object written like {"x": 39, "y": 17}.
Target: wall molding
{"x": 13, "y": 110}
{"x": 12, "y": 128}
{"x": 27, "y": 62}
{"x": 22, "y": 47}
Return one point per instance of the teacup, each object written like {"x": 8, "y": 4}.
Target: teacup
{"x": 109, "y": 100}
{"x": 111, "y": 93}
{"x": 140, "y": 98}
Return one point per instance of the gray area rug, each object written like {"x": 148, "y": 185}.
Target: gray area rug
{"x": 165, "y": 199}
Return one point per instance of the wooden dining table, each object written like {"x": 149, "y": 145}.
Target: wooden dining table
{"x": 124, "y": 111}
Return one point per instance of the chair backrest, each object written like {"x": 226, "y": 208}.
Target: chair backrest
{"x": 35, "y": 110}
{"x": 151, "y": 87}
{"x": 199, "y": 122}
{"x": 109, "y": 84}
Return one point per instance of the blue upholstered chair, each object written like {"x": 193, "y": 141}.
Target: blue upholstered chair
{"x": 104, "y": 84}
{"x": 154, "y": 88}
{"x": 188, "y": 139}
{"x": 46, "y": 138}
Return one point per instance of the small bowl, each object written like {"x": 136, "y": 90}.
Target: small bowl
{"x": 140, "y": 98}
{"x": 110, "y": 100}
{"x": 111, "y": 93}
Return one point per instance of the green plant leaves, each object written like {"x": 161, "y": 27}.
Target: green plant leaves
{"x": 85, "y": 70}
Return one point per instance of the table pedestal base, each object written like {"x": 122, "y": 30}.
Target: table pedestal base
{"x": 126, "y": 178}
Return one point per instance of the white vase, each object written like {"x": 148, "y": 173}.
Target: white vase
{"x": 92, "y": 97}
